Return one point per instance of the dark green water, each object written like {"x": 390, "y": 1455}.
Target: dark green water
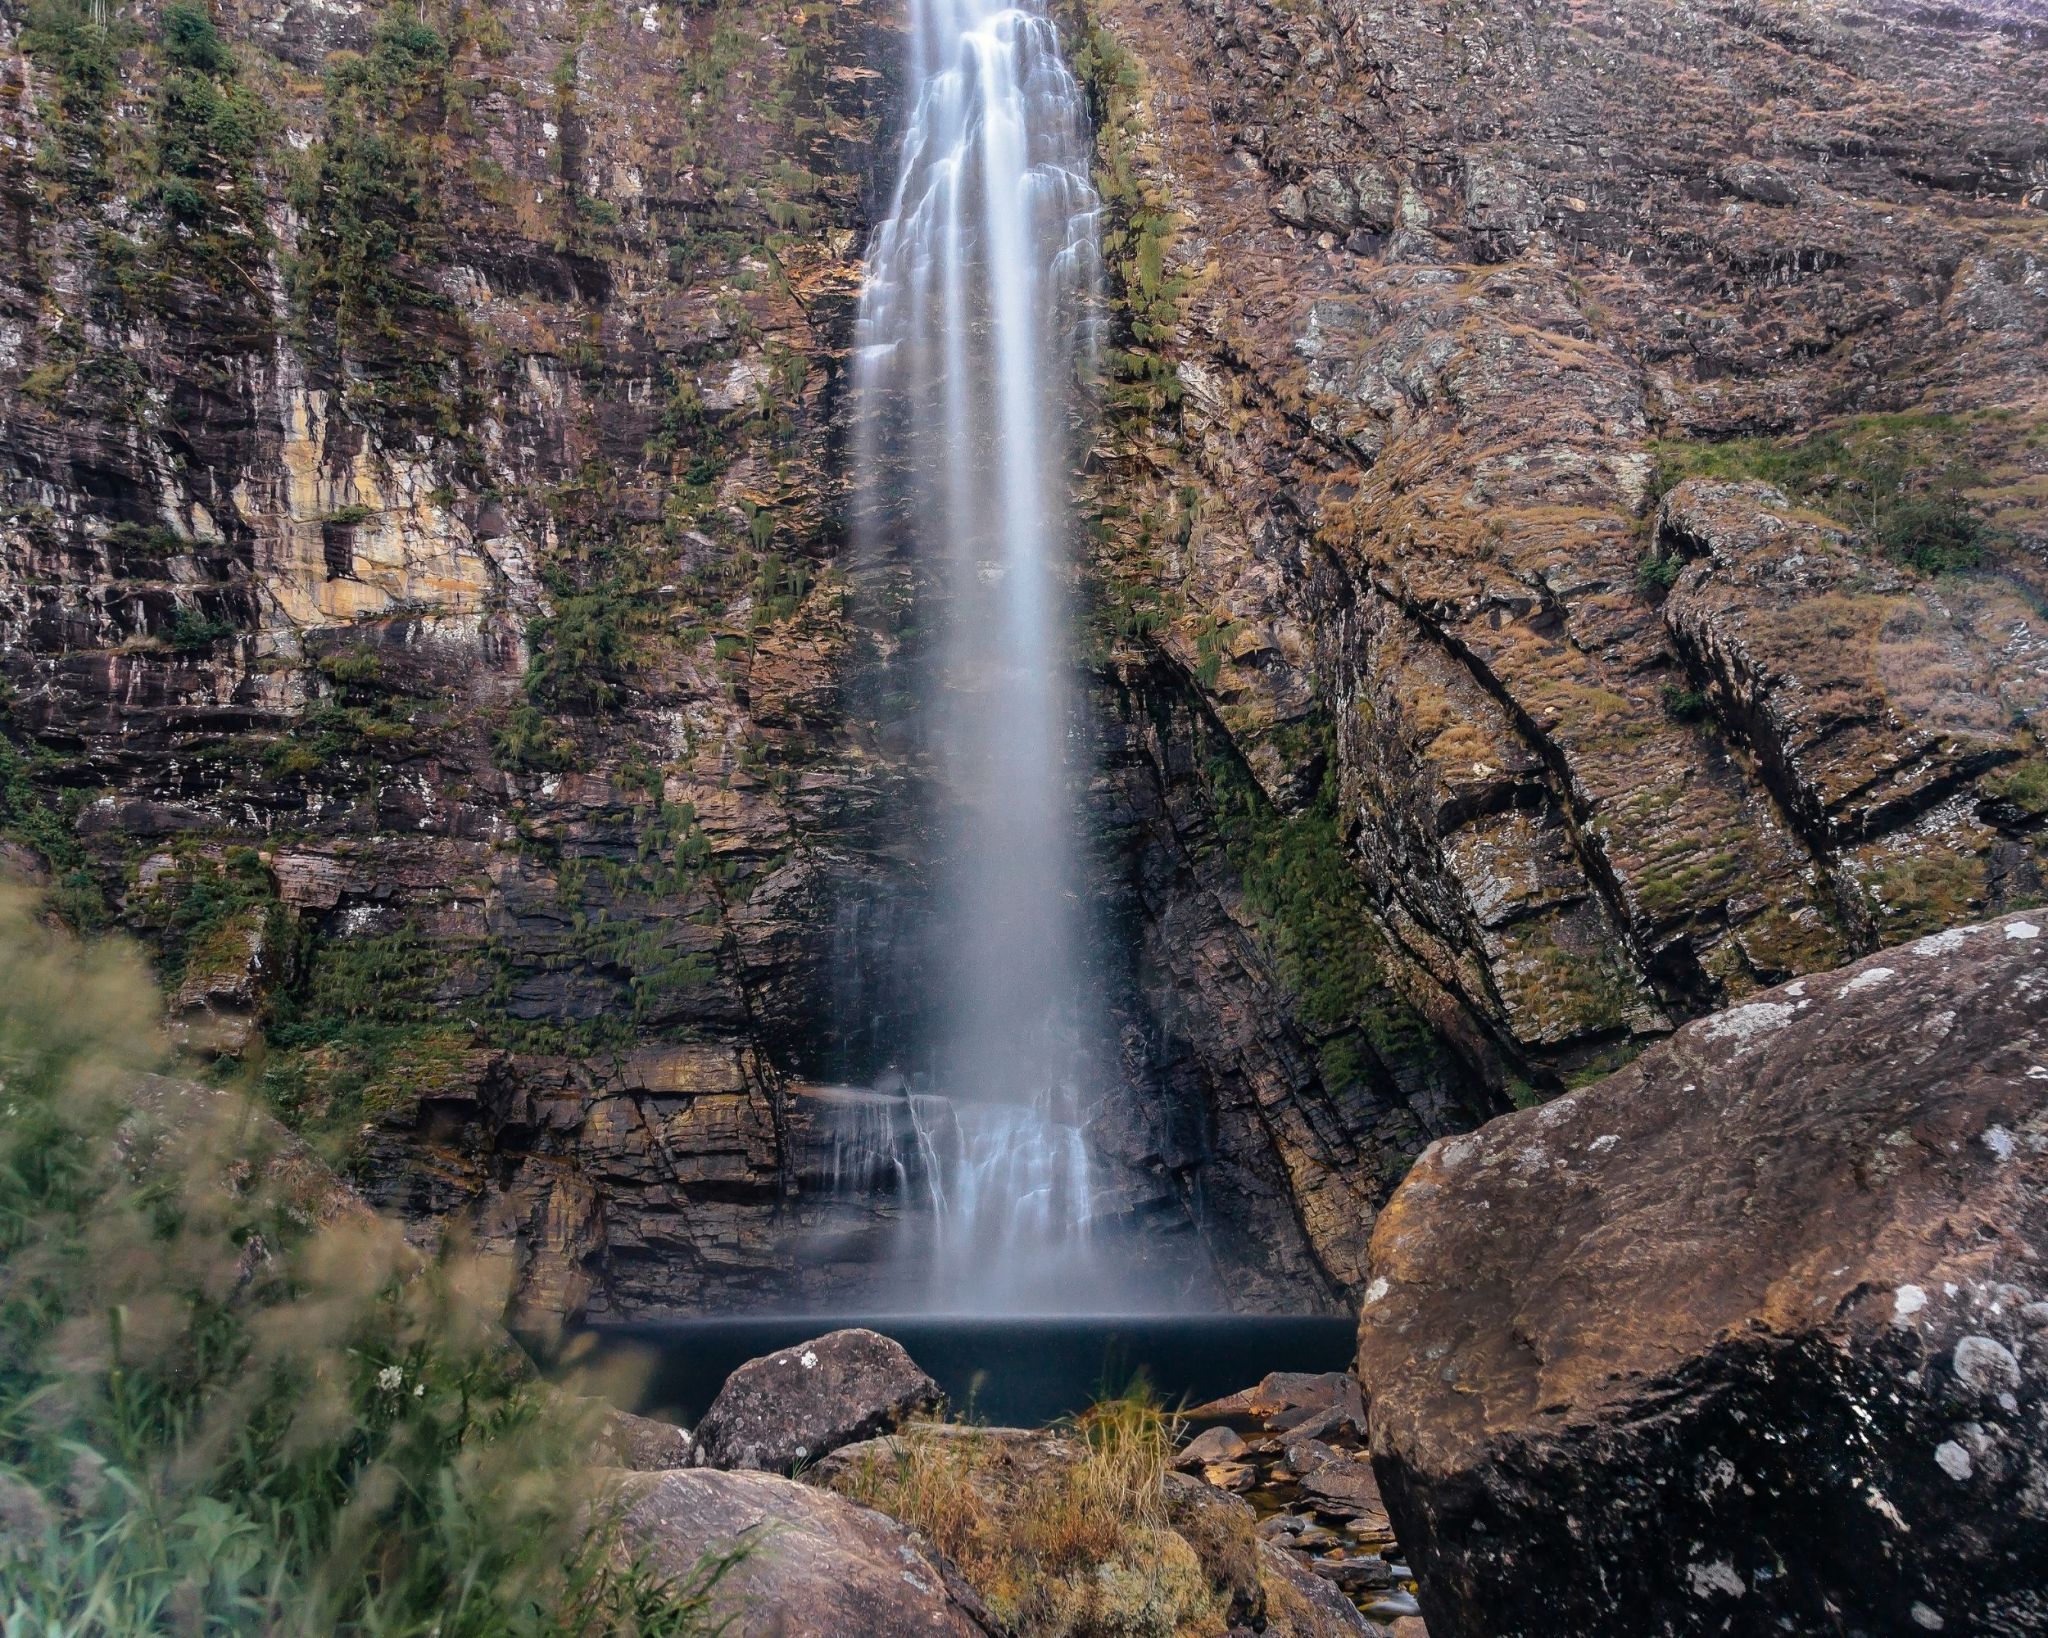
{"x": 1002, "y": 1371}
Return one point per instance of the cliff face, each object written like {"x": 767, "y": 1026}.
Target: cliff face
{"x": 427, "y": 619}
{"x": 1624, "y": 427}
{"x": 427, "y": 615}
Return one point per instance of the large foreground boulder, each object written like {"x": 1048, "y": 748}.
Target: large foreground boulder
{"x": 797, "y": 1404}
{"x": 813, "y": 1565}
{"x": 1750, "y": 1337}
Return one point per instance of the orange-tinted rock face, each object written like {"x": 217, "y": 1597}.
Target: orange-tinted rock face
{"x": 1749, "y": 1332}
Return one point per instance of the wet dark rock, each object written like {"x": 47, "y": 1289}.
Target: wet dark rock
{"x": 1740, "y": 1336}
{"x": 1303, "y": 1488}
{"x": 1354, "y": 1575}
{"x": 815, "y": 1565}
{"x": 800, "y": 1404}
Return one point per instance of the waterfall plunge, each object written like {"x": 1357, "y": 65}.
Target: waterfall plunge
{"x": 975, "y": 321}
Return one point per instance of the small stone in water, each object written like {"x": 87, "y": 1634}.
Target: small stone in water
{"x": 1230, "y": 1475}
{"x": 1305, "y": 1456}
{"x": 1355, "y": 1575}
{"x": 1214, "y": 1445}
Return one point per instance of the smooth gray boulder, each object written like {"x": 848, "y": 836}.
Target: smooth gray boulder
{"x": 814, "y": 1565}
{"x": 798, "y": 1404}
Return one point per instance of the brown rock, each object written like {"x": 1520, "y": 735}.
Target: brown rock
{"x": 815, "y": 1565}
{"x": 1575, "y": 833}
{"x": 1347, "y": 1489}
{"x": 1865, "y": 689}
{"x": 799, "y": 1404}
{"x": 1220, "y": 1528}
{"x": 1748, "y": 1332}
{"x": 1302, "y": 1604}
{"x": 1284, "y": 1394}
{"x": 1211, "y": 1445}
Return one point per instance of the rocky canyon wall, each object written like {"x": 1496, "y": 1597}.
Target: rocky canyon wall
{"x": 1598, "y": 451}
{"x": 1566, "y": 539}
{"x": 428, "y": 623}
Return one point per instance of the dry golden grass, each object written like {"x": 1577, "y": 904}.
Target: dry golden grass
{"x": 1063, "y": 1535}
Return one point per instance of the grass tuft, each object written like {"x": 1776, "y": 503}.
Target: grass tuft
{"x": 1062, "y": 1536}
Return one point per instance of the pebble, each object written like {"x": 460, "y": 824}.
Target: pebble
{"x": 1230, "y": 1475}
{"x": 1210, "y": 1446}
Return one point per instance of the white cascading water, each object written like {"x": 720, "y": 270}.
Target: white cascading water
{"x": 975, "y": 322}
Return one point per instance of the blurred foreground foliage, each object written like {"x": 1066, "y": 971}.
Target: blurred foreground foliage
{"x": 232, "y": 1400}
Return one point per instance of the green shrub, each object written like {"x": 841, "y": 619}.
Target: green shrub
{"x": 26, "y": 817}
{"x": 187, "y": 906}
{"x": 1140, "y": 226}
{"x": 210, "y": 130}
{"x": 78, "y": 57}
{"x": 1900, "y": 481}
{"x": 1937, "y": 532}
{"x": 366, "y": 193}
{"x": 579, "y": 652}
{"x": 1656, "y": 574}
{"x": 192, "y": 631}
{"x": 1684, "y": 704}
{"x": 527, "y": 742}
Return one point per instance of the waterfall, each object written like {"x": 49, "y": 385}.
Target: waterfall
{"x": 976, "y": 321}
